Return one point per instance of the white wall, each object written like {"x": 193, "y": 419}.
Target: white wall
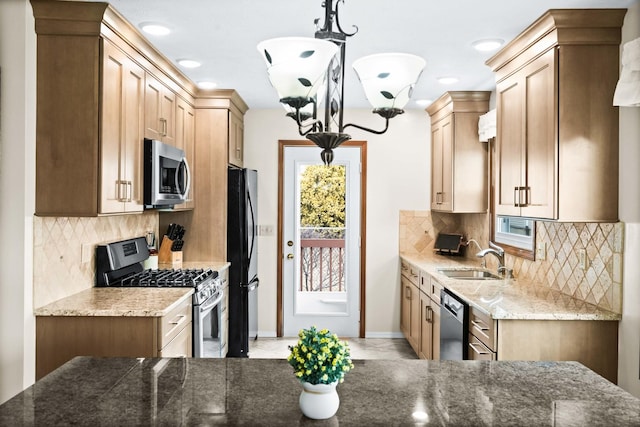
{"x": 17, "y": 194}
{"x": 629, "y": 204}
{"x": 397, "y": 178}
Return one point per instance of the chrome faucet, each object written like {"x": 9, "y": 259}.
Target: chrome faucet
{"x": 498, "y": 252}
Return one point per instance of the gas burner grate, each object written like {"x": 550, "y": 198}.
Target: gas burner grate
{"x": 169, "y": 278}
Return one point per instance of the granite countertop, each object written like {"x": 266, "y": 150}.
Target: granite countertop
{"x": 214, "y": 265}
{"x": 264, "y": 392}
{"x": 134, "y": 302}
{"x": 511, "y": 298}
{"x": 143, "y": 302}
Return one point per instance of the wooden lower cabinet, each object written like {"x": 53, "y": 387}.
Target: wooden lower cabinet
{"x": 61, "y": 338}
{"x": 591, "y": 342}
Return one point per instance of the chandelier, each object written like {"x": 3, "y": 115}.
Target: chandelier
{"x": 307, "y": 71}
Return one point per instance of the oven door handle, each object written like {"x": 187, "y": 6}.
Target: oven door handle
{"x": 209, "y": 306}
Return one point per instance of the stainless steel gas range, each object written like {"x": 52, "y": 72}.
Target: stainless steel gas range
{"x": 119, "y": 264}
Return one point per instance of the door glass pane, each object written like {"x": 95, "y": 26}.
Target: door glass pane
{"x": 321, "y": 287}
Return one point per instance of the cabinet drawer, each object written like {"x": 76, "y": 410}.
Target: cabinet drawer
{"x": 410, "y": 272}
{"x": 478, "y": 351}
{"x": 172, "y": 323}
{"x": 180, "y": 346}
{"x": 483, "y": 327}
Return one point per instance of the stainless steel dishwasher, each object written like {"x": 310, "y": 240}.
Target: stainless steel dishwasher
{"x": 454, "y": 321}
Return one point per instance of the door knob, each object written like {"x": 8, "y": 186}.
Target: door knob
{"x": 289, "y": 243}
{"x": 290, "y": 256}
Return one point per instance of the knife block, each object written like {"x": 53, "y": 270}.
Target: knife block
{"x": 168, "y": 258}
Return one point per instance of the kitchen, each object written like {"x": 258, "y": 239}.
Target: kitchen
{"x": 408, "y": 164}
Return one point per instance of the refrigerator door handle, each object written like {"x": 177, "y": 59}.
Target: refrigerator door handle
{"x": 253, "y": 284}
{"x": 253, "y": 227}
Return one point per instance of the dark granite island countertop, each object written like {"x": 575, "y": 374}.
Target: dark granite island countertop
{"x": 264, "y": 392}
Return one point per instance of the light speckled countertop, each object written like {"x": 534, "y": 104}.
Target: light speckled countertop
{"x": 264, "y": 392}
{"x": 510, "y": 298}
{"x": 133, "y": 302}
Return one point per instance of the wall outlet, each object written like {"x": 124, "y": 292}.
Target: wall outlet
{"x": 541, "y": 251}
{"x": 583, "y": 260}
{"x": 87, "y": 253}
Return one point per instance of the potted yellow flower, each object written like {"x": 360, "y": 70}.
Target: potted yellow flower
{"x": 320, "y": 361}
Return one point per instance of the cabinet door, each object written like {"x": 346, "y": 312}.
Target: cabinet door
{"x": 509, "y": 147}
{"x": 121, "y": 133}
{"x": 540, "y": 138}
{"x": 526, "y": 149}
{"x": 405, "y": 307}
{"x": 160, "y": 111}
{"x": 426, "y": 328}
{"x": 442, "y": 165}
{"x": 416, "y": 322}
{"x": 236, "y": 140}
{"x": 185, "y": 140}
{"x": 435, "y": 325}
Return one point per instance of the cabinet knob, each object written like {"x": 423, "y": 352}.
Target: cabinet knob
{"x": 289, "y": 256}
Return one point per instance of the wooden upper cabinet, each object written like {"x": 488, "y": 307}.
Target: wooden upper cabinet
{"x": 236, "y": 139}
{"x": 185, "y": 140}
{"x": 459, "y": 168}
{"x": 121, "y": 179}
{"x": 159, "y": 111}
{"x": 557, "y": 141}
{"x": 93, "y": 84}
{"x": 526, "y": 167}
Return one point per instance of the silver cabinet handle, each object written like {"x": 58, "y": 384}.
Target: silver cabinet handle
{"x": 164, "y": 126}
{"x": 475, "y": 349}
{"x": 130, "y": 191}
{"x": 479, "y": 325}
{"x": 122, "y": 191}
{"x": 181, "y": 318}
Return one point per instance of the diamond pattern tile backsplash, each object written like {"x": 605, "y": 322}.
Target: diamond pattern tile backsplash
{"x": 58, "y": 267}
{"x": 600, "y": 283}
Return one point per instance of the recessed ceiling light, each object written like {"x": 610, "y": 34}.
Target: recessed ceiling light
{"x": 189, "y": 63}
{"x": 447, "y": 80}
{"x": 487, "y": 45}
{"x": 423, "y": 102}
{"x": 207, "y": 85}
{"x": 154, "y": 28}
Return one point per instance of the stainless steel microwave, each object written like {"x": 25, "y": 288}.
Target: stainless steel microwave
{"x": 167, "y": 177}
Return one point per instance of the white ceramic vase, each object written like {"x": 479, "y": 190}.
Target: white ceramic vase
{"x": 319, "y": 401}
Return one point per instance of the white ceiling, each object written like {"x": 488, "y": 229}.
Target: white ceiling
{"x": 223, "y": 34}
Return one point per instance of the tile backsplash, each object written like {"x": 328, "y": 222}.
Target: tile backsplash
{"x": 600, "y": 283}
{"x": 59, "y": 269}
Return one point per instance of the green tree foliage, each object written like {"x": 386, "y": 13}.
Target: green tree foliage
{"x": 322, "y": 196}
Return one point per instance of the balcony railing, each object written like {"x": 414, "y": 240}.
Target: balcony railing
{"x": 322, "y": 260}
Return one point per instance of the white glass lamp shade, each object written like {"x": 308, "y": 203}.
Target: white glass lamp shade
{"x": 388, "y": 78}
{"x": 297, "y": 65}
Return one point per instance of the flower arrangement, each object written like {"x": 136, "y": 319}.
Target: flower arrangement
{"x": 320, "y": 357}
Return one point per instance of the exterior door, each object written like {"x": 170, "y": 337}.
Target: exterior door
{"x": 321, "y": 241}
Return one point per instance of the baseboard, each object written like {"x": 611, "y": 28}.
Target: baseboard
{"x": 369, "y": 334}
{"x": 272, "y": 334}
{"x": 266, "y": 334}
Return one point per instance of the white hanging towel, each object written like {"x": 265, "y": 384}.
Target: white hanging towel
{"x": 487, "y": 126}
{"x": 627, "y": 92}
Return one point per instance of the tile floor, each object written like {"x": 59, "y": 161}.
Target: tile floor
{"x": 361, "y": 348}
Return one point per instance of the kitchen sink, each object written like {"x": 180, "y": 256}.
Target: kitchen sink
{"x": 469, "y": 274}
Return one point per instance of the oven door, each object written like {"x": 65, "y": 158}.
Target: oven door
{"x": 208, "y": 328}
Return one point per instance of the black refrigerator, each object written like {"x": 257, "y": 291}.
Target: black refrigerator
{"x": 242, "y": 253}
